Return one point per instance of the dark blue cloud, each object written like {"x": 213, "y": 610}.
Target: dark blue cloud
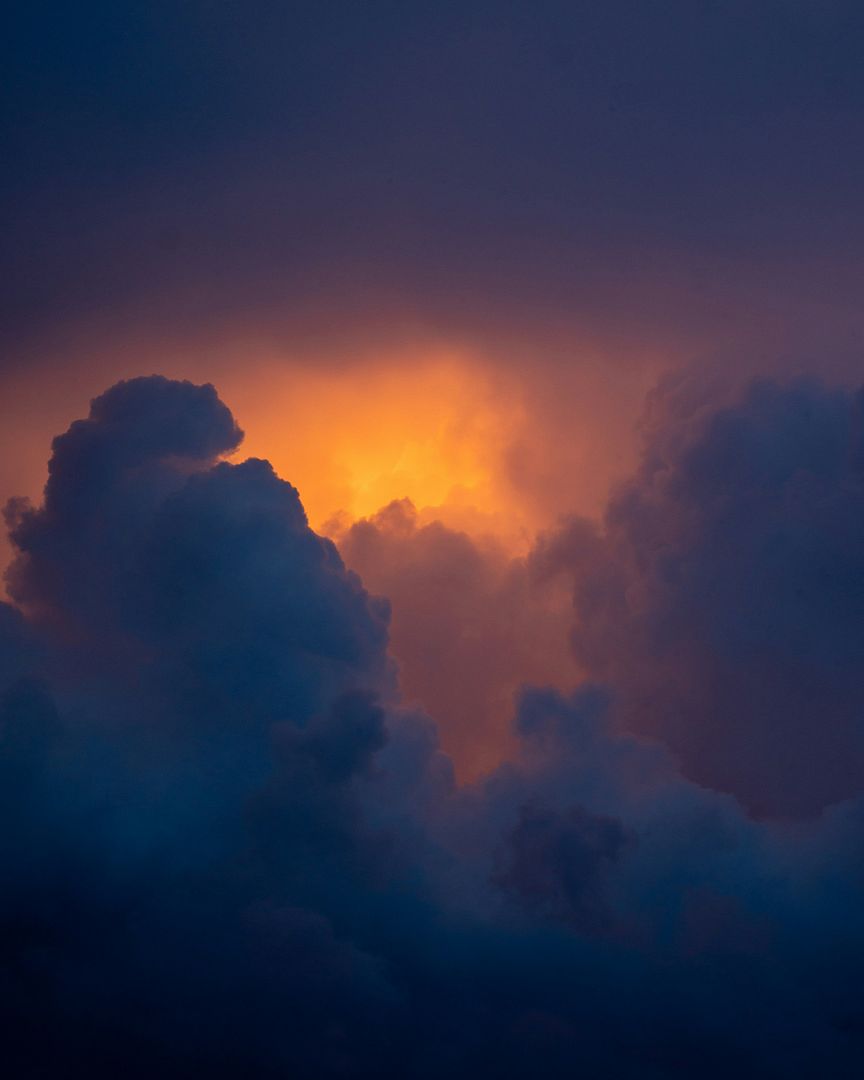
{"x": 183, "y": 771}
{"x": 228, "y": 849}
{"x": 723, "y": 598}
{"x": 553, "y": 862}
{"x": 106, "y": 475}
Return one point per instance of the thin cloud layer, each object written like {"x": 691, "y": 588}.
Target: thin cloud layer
{"x": 228, "y": 849}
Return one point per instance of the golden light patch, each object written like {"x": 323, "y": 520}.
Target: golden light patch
{"x": 433, "y": 429}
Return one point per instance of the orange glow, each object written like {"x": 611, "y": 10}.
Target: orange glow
{"x": 494, "y": 442}
{"x": 480, "y": 445}
{"x": 432, "y": 428}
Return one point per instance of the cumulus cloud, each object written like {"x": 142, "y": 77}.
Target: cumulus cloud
{"x": 180, "y": 740}
{"x": 640, "y": 911}
{"x": 471, "y": 625}
{"x": 106, "y": 474}
{"x": 229, "y": 850}
{"x": 721, "y": 599}
{"x": 554, "y": 860}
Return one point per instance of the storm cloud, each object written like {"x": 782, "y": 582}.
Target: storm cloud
{"x": 230, "y": 848}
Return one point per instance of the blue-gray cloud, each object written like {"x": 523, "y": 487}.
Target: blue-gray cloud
{"x": 228, "y": 849}
{"x": 722, "y": 597}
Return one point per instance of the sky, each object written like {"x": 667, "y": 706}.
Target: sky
{"x": 432, "y": 448}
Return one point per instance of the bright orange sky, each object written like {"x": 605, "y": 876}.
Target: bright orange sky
{"x": 431, "y": 427}
{"x": 468, "y": 439}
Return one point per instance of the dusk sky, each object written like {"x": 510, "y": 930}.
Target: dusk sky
{"x": 432, "y": 631}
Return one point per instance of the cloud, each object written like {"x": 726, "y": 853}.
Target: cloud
{"x": 470, "y": 625}
{"x": 645, "y": 919}
{"x": 229, "y": 849}
{"x": 209, "y": 675}
{"x": 554, "y": 860}
{"x": 106, "y": 476}
{"x": 721, "y": 599}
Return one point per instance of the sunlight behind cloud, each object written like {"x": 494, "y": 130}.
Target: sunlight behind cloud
{"x": 432, "y": 428}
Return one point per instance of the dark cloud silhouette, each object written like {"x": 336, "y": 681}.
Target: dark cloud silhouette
{"x": 228, "y": 849}
{"x": 553, "y": 862}
{"x": 640, "y": 897}
{"x": 106, "y": 475}
{"x": 722, "y": 598}
{"x": 210, "y": 673}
